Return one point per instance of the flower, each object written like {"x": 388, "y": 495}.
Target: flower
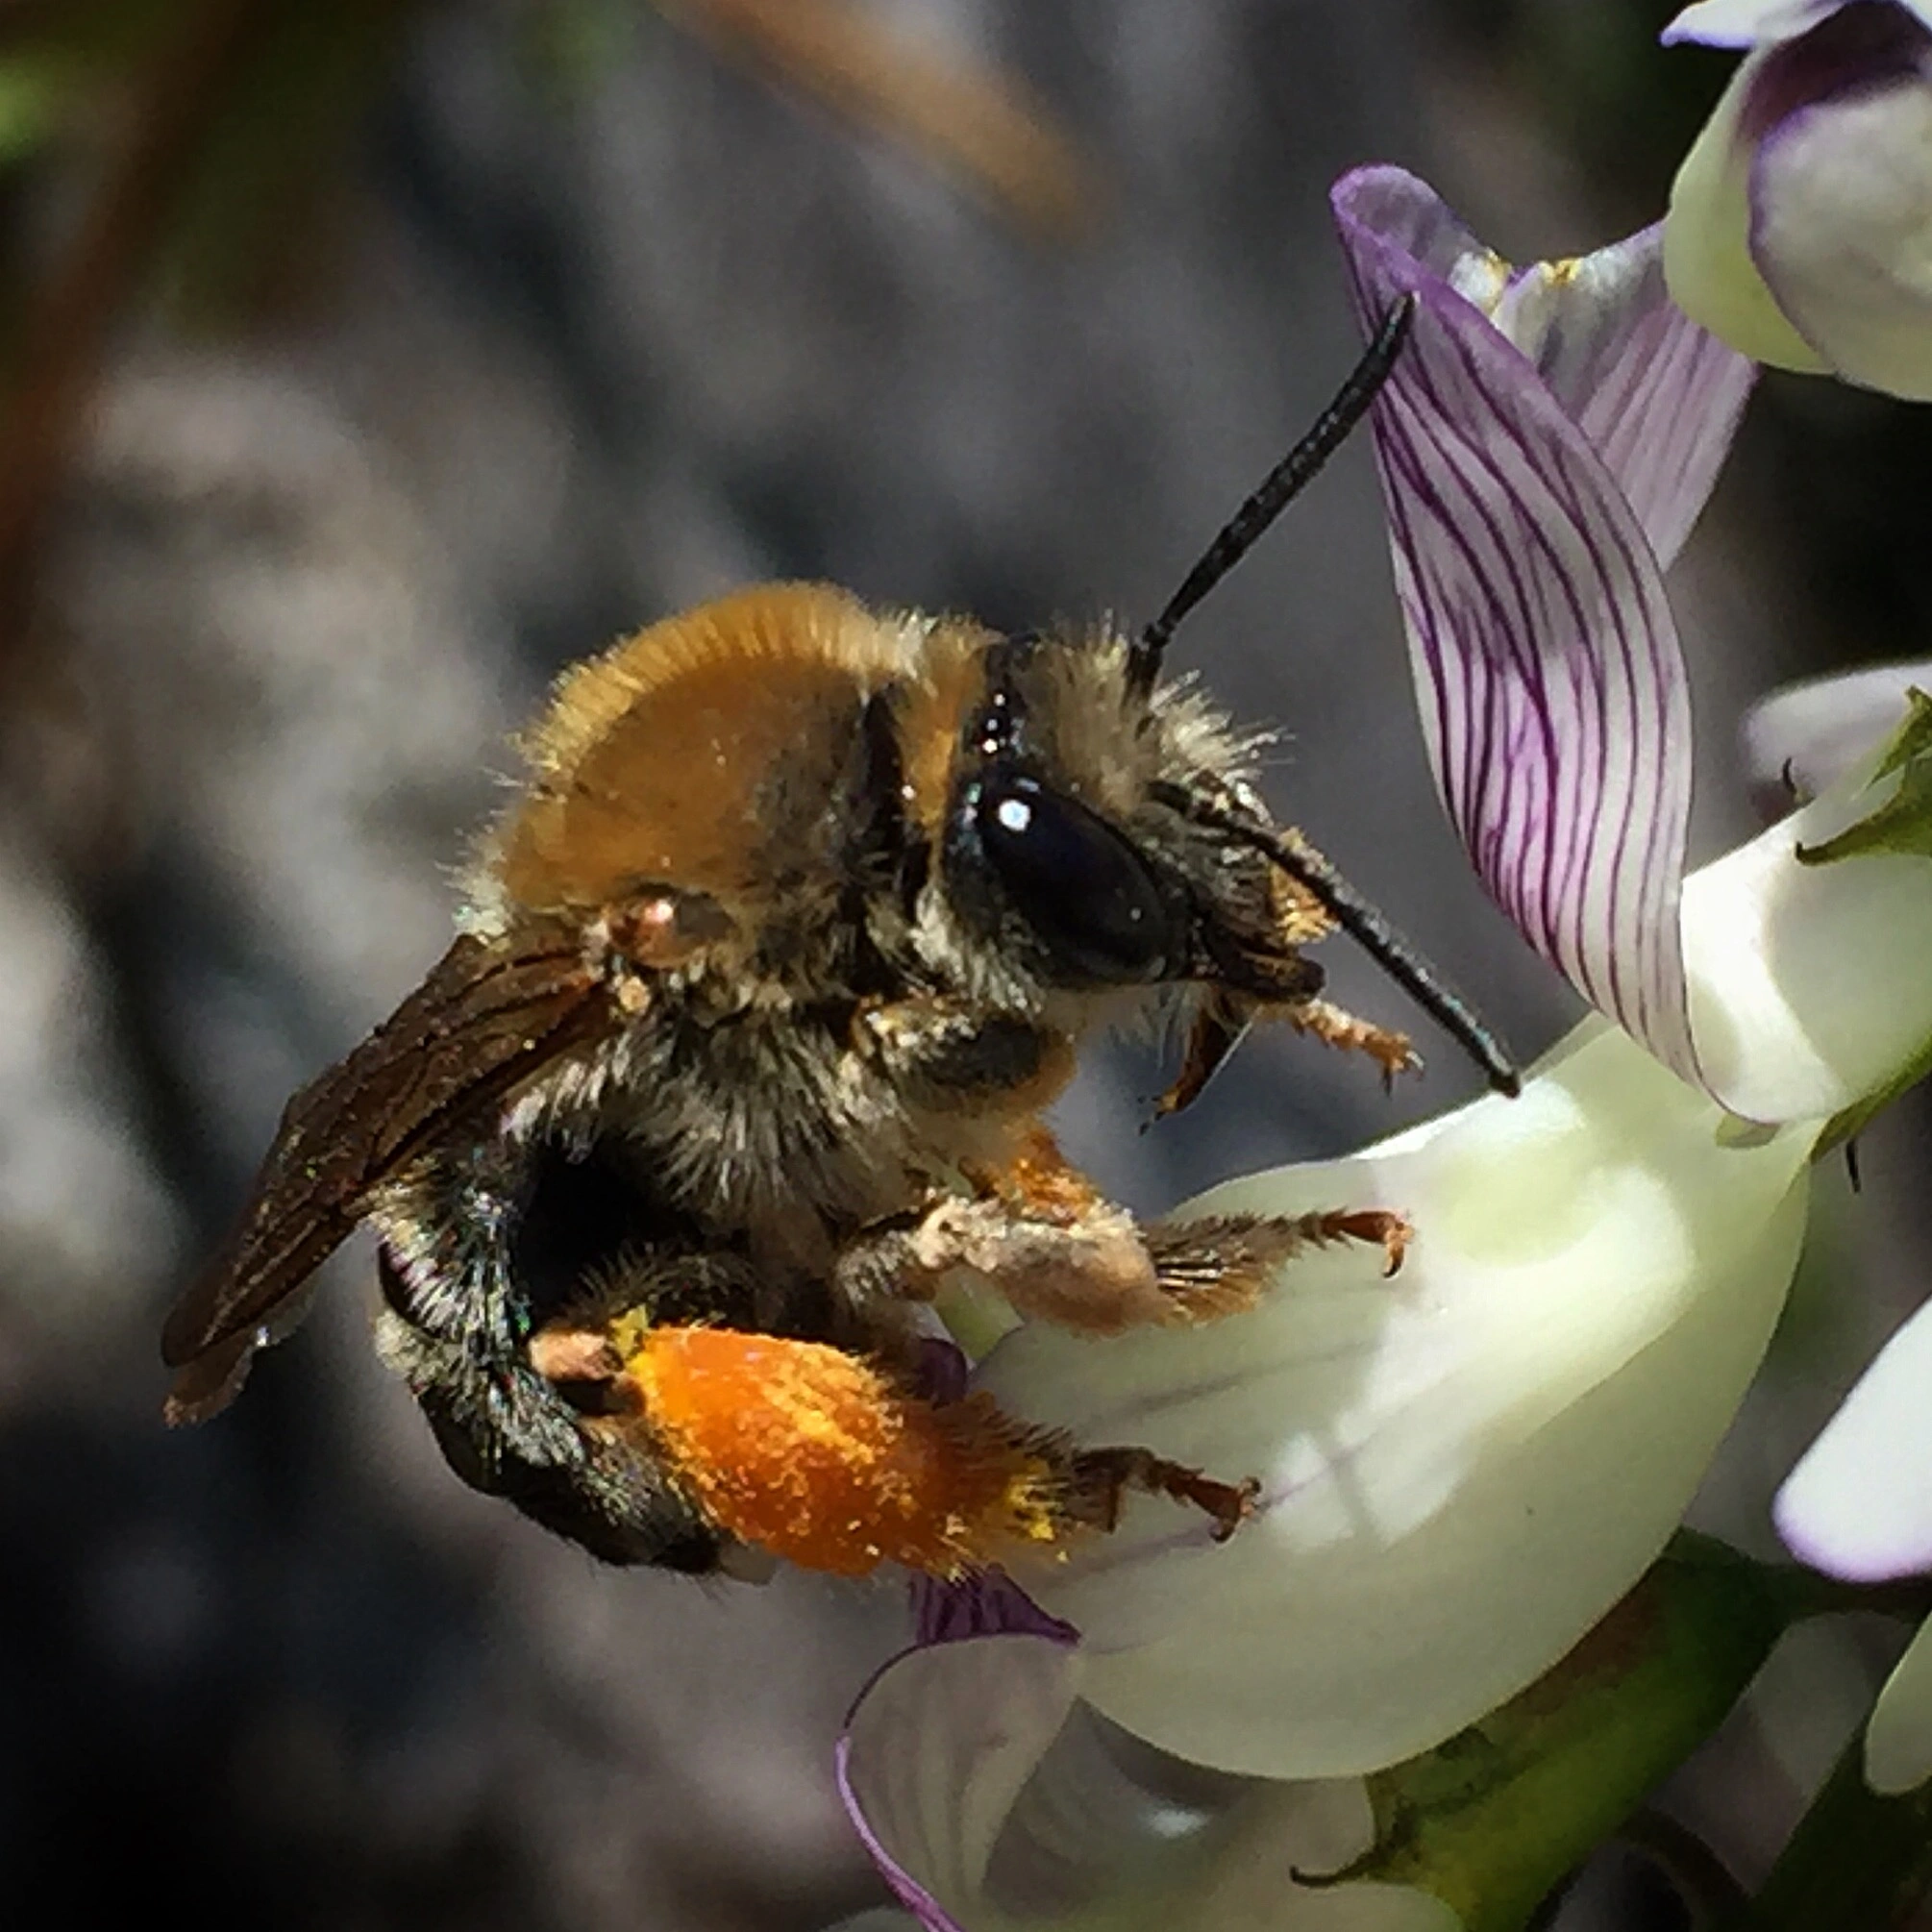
{"x": 1800, "y": 224}
{"x": 1464, "y": 1467}
{"x": 1859, "y": 1504}
{"x": 991, "y": 1797}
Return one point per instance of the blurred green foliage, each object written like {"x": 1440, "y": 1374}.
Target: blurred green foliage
{"x": 226, "y": 113}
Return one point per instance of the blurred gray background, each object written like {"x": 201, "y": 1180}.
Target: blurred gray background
{"x": 577, "y": 345}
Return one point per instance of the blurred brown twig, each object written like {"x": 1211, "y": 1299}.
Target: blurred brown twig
{"x": 203, "y": 122}
{"x": 982, "y": 128}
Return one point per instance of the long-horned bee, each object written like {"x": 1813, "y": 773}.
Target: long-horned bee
{"x": 761, "y": 985}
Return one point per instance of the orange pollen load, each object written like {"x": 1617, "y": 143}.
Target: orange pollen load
{"x": 817, "y": 1457}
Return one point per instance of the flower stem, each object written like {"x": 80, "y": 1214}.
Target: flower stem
{"x": 1857, "y": 1861}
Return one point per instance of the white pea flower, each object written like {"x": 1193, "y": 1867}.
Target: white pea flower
{"x": 1463, "y": 1467}
{"x": 1801, "y": 225}
{"x": 1859, "y": 1506}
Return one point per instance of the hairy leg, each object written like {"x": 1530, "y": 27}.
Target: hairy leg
{"x": 1041, "y": 1234}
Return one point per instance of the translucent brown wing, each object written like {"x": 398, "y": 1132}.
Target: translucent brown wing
{"x": 491, "y": 1014}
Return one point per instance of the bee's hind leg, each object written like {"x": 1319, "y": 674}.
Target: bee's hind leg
{"x": 1102, "y": 1477}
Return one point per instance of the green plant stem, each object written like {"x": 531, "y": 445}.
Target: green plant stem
{"x": 1856, "y": 1863}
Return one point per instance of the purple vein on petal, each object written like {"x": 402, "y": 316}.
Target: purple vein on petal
{"x": 1554, "y": 701}
{"x": 933, "y": 1753}
{"x": 932, "y": 1917}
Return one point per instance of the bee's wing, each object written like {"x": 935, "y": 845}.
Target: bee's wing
{"x": 489, "y": 1016}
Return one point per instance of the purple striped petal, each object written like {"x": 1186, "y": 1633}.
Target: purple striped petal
{"x": 1554, "y": 701}
{"x": 1658, "y": 398}
{"x": 987, "y": 1605}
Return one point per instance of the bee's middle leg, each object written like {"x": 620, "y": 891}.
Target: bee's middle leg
{"x": 1041, "y": 1234}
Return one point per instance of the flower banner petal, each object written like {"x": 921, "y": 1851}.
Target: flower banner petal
{"x": 1462, "y": 1466}
{"x": 1657, "y": 397}
{"x": 1554, "y": 701}
{"x": 1859, "y": 1506}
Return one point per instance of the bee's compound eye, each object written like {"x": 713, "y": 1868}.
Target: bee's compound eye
{"x": 1091, "y": 900}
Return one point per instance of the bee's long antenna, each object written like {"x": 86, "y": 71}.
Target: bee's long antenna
{"x": 1367, "y": 927}
{"x": 1283, "y": 484}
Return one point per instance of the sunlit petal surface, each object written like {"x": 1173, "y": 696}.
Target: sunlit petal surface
{"x": 1553, "y": 690}
{"x": 994, "y": 1802}
{"x": 1898, "y": 1739}
{"x": 1464, "y": 1465}
{"x": 1860, "y": 1504}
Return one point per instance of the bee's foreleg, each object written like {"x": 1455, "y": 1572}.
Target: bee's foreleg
{"x": 1392, "y": 1052}
{"x": 1219, "y": 1024}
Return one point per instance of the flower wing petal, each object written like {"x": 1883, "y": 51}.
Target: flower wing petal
{"x": 1707, "y": 238}
{"x": 1463, "y": 1467}
{"x": 1554, "y": 701}
{"x": 1841, "y": 225}
{"x": 1746, "y": 23}
{"x": 1808, "y": 989}
{"x": 1859, "y": 1506}
{"x": 994, "y": 1803}
{"x": 1898, "y": 1739}
{"x": 1658, "y": 397}
{"x": 1807, "y": 738}
{"x": 937, "y": 1749}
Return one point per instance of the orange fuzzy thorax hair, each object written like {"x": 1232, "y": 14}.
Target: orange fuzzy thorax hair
{"x": 820, "y": 1457}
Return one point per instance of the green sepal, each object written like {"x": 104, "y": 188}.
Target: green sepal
{"x": 1494, "y": 1820}
{"x": 1903, "y": 823}
{"x": 1850, "y": 1121}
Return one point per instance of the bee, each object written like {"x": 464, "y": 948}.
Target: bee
{"x": 739, "y": 1057}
